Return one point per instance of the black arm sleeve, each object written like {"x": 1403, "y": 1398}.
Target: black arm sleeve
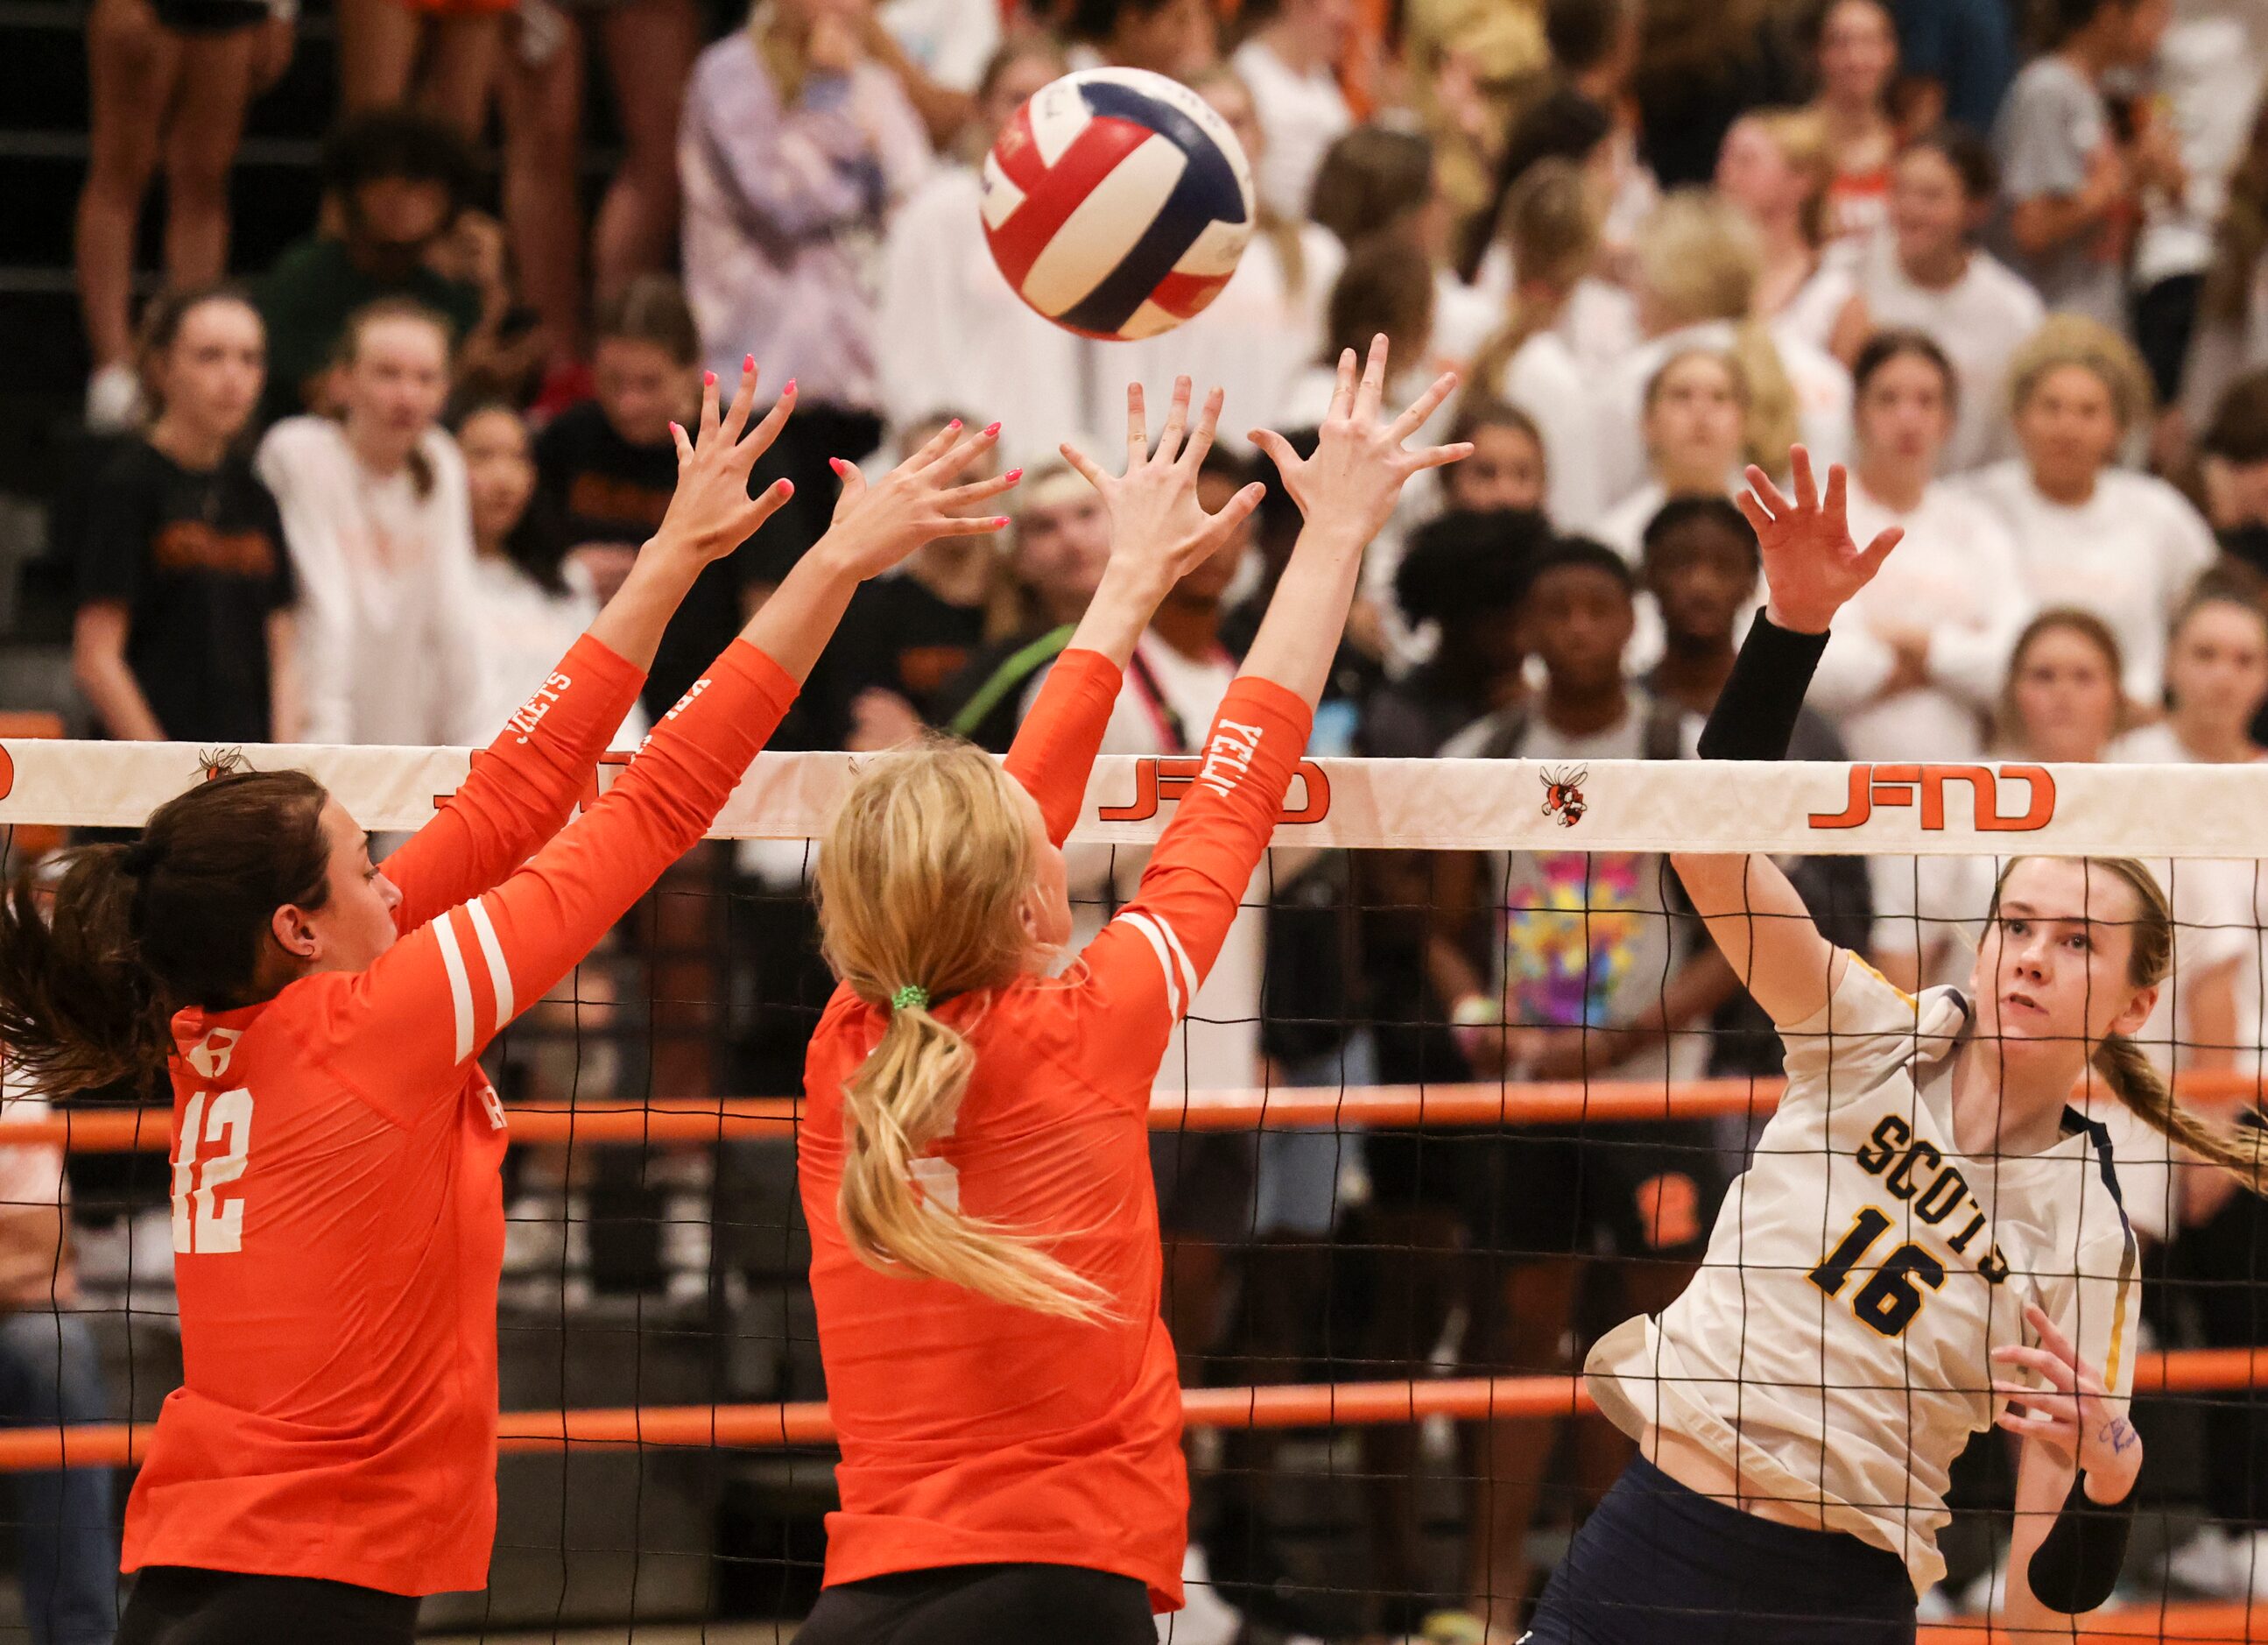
{"x": 1755, "y": 715}
{"x": 2075, "y": 1568}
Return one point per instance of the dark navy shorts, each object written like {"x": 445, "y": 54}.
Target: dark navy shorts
{"x": 1659, "y": 1563}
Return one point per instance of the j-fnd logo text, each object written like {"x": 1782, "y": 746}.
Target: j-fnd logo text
{"x": 1875, "y": 787}
{"x": 1171, "y": 778}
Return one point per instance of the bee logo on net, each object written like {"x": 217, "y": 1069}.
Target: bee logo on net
{"x": 1879, "y": 787}
{"x": 1563, "y": 794}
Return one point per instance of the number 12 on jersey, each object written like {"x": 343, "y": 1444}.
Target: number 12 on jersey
{"x": 204, "y": 1224}
{"x": 1887, "y": 1302}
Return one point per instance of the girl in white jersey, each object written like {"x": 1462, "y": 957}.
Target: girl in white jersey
{"x": 1929, "y": 1240}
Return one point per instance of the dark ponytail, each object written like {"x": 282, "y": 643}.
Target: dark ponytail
{"x": 136, "y": 932}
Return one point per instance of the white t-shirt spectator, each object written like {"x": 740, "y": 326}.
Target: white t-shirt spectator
{"x": 1956, "y": 576}
{"x": 1822, "y": 400}
{"x": 1979, "y": 320}
{"x": 2208, "y": 83}
{"x": 1254, "y": 340}
{"x": 2129, "y": 554}
{"x": 1810, "y": 316}
{"x": 525, "y": 628}
{"x": 951, "y": 40}
{"x": 388, "y": 648}
{"x": 952, "y": 333}
{"x": 1544, "y": 379}
{"x": 2049, "y": 129}
{"x": 1300, "y": 115}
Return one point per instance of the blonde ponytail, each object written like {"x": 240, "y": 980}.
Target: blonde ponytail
{"x": 1551, "y": 228}
{"x": 921, "y": 878}
{"x": 1772, "y": 426}
{"x": 2240, "y": 1150}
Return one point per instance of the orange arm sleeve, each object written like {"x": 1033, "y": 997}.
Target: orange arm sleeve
{"x": 409, "y": 1025}
{"x": 522, "y": 788}
{"x": 1149, "y": 963}
{"x": 1055, "y": 746}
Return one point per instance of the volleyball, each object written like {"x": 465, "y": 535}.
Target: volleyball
{"x": 1116, "y": 203}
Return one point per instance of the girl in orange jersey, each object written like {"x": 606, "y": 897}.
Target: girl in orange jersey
{"x": 338, "y": 1223}
{"x": 974, "y": 1158}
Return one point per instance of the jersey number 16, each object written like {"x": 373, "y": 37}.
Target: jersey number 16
{"x": 1888, "y": 1302}
{"x": 203, "y": 1223}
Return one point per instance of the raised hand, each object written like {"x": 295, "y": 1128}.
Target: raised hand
{"x": 711, "y": 513}
{"x": 2074, "y": 1415}
{"x": 1359, "y": 466}
{"x": 876, "y": 526}
{"x": 1811, "y": 565}
{"x": 1158, "y": 529}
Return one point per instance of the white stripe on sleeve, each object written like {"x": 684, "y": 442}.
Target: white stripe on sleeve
{"x": 460, "y": 987}
{"x": 1190, "y": 980}
{"x": 492, "y": 950}
{"x": 1156, "y": 939}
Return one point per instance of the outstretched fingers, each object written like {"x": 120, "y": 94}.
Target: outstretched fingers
{"x": 1342, "y": 392}
{"x": 1234, "y": 512}
{"x": 1871, "y": 557}
{"x": 1437, "y": 456}
{"x": 707, "y": 422}
{"x": 1086, "y": 468}
{"x": 1193, "y": 455}
{"x": 1275, "y": 448}
{"x": 1177, "y": 422}
{"x": 1807, "y": 487}
{"x": 979, "y": 490}
{"x": 760, "y": 437}
{"x": 762, "y": 506}
{"x": 956, "y": 461}
{"x": 1773, "y": 505}
{"x": 1419, "y": 410}
{"x": 1137, "y": 426}
{"x": 744, "y": 399}
{"x": 1371, "y": 394}
{"x": 964, "y": 524}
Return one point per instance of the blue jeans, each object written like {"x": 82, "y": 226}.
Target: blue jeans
{"x": 49, "y": 1376}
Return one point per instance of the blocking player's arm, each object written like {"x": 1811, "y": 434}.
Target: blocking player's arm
{"x": 1145, "y": 968}
{"x": 521, "y": 791}
{"x": 1159, "y": 534}
{"x": 1812, "y": 568}
{"x": 2081, "y": 1458}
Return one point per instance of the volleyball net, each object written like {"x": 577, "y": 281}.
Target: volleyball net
{"x": 1463, "y": 1092}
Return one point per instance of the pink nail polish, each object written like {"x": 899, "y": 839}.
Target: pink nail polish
{"x": 1014, "y": 474}
{"x": 790, "y": 388}
{"x": 677, "y": 429}
{"x": 953, "y": 427}
{"x": 995, "y": 429}
{"x": 999, "y": 520}
{"x": 747, "y": 362}
{"x": 786, "y": 487}
{"x": 708, "y": 380}
{"x": 837, "y": 464}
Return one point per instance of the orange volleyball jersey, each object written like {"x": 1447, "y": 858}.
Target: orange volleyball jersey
{"x": 338, "y": 1221}
{"x": 972, "y": 1431}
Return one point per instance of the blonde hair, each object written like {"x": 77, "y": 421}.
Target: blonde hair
{"x": 1552, "y": 226}
{"x": 921, "y": 878}
{"x": 2074, "y": 340}
{"x": 1699, "y": 260}
{"x": 2242, "y": 1152}
{"x": 1801, "y": 137}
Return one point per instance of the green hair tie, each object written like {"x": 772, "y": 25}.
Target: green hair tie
{"x": 911, "y": 994}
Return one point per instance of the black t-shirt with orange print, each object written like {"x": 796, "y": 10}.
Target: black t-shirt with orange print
{"x": 198, "y": 559}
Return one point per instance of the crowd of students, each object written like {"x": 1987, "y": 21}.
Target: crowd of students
{"x": 2016, "y": 277}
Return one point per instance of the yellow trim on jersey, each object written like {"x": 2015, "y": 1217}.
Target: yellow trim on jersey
{"x": 2126, "y": 1258}
{"x": 1913, "y": 1003}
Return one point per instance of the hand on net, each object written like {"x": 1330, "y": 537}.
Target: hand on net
{"x": 877, "y": 526}
{"x": 1811, "y": 565}
{"x": 711, "y": 513}
{"x": 2074, "y": 1415}
{"x": 1359, "y": 466}
{"x": 1158, "y": 530}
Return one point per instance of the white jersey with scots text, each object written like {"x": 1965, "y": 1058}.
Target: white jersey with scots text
{"x": 1835, "y": 1347}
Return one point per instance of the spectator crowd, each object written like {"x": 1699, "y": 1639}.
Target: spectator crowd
{"x": 2007, "y": 262}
